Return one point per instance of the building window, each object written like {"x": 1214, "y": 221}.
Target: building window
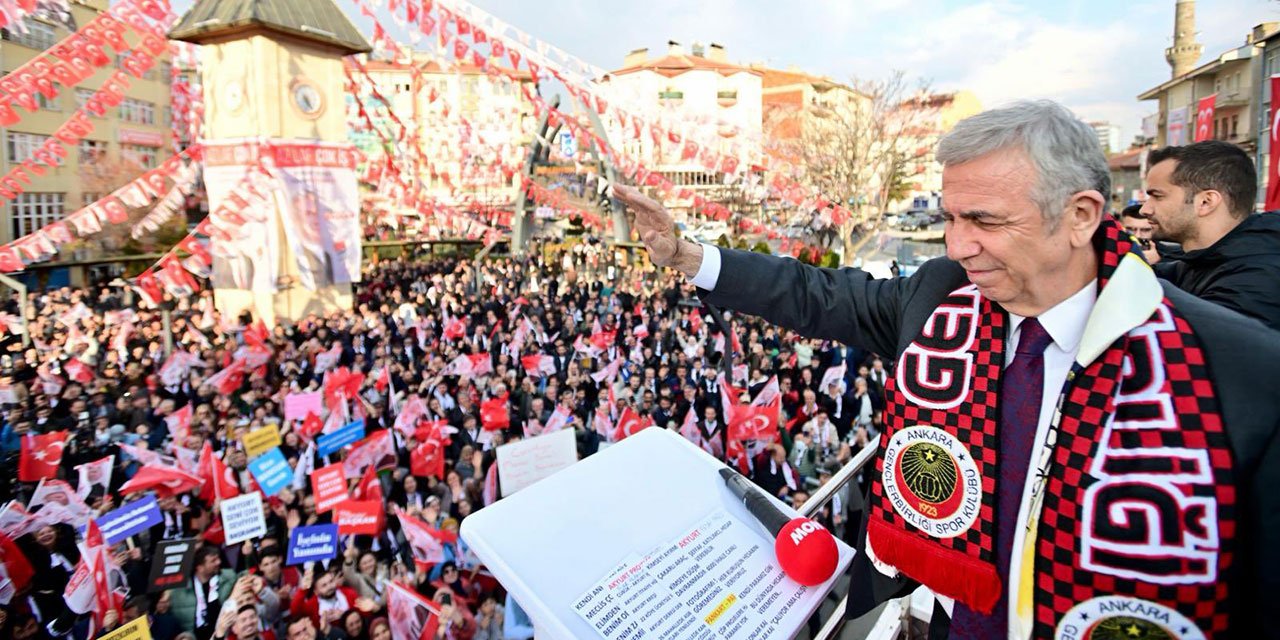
{"x": 82, "y": 98}
{"x": 22, "y": 146}
{"x": 166, "y": 72}
{"x": 140, "y": 155}
{"x": 168, "y": 116}
{"x": 31, "y": 211}
{"x": 138, "y": 111}
{"x": 92, "y": 150}
{"x": 1235, "y": 125}
{"x": 39, "y": 35}
{"x": 48, "y": 104}
{"x": 89, "y": 197}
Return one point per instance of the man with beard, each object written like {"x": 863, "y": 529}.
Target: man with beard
{"x": 1201, "y": 196}
{"x": 321, "y": 598}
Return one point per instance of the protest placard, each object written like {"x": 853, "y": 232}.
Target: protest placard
{"x": 307, "y": 544}
{"x": 523, "y": 463}
{"x": 260, "y": 441}
{"x": 340, "y": 437}
{"x": 298, "y": 405}
{"x": 271, "y": 471}
{"x": 136, "y": 630}
{"x": 132, "y": 518}
{"x": 329, "y": 486}
{"x": 242, "y": 518}
{"x": 171, "y": 564}
{"x": 359, "y": 516}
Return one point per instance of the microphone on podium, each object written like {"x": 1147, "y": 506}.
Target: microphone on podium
{"x": 806, "y": 551}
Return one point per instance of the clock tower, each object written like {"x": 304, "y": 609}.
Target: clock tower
{"x": 273, "y": 78}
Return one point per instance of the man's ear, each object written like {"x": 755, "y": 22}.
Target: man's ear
{"x": 1082, "y": 216}
{"x": 1208, "y": 201}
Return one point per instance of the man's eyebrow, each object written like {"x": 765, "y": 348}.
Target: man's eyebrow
{"x": 974, "y": 214}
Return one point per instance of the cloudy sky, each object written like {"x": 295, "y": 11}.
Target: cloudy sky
{"x": 1094, "y": 55}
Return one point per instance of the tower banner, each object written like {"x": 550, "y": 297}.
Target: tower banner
{"x": 312, "y": 197}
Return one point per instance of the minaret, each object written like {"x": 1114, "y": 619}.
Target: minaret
{"x": 1185, "y": 52}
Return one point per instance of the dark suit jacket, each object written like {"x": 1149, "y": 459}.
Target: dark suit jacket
{"x": 884, "y": 316}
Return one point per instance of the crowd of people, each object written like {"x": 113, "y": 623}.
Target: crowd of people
{"x": 569, "y": 337}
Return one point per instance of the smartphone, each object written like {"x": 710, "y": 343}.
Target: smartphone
{"x": 446, "y": 598}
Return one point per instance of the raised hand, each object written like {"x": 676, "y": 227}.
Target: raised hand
{"x": 657, "y": 230}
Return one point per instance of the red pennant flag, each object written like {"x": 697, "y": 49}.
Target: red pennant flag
{"x": 460, "y": 49}
{"x": 1273, "y": 173}
{"x": 515, "y": 58}
{"x": 494, "y": 414}
{"x": 497, "y": 49}
{"x": 40, "y": 455}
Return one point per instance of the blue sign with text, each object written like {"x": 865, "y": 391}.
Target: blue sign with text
{"x": 339, "y": 438}
{"x": 271, "y": 471}
{"x": 130, "y": 519}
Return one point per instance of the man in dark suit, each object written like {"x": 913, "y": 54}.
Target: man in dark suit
{"x": 1142, "y": 497}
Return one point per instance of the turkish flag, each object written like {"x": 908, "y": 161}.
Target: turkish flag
{"x": 369, "y": 487}
{"x": 1204, "y": 117}
{"x": 455, "y": 329}
{"x": 494, "y": 415}
{"x": 629, "y": 424}
{"x": 256, "y": 335}
{"x": 219, "y": 481}
{"x": 228, "y": 380}
{"x": 311, "y": 426}
{"x": 755, "y": 423}
{"x": 534, "y": 364}
{"x": 41, "y": 455}
{"x": 1273, "y": 172}
{"x": 425, "y": 541}
{"x": 166, "y": 481}
{"x": 78, "y": 371}
{"x": 15, "y": 563}
{"x": 427, "y": 460}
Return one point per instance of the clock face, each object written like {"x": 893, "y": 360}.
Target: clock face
{"x": 233, "y": 95}
{"x": 307, "y": 98}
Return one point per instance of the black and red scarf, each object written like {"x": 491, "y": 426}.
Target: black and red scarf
{"x": 1133, "y": 509}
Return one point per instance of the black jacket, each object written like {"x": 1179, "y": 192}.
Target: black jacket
{"x": 885, "y": 316}
{"x": 1240, "y": 272}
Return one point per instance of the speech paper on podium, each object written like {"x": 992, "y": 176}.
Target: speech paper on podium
{"x": 642, "y": 541}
